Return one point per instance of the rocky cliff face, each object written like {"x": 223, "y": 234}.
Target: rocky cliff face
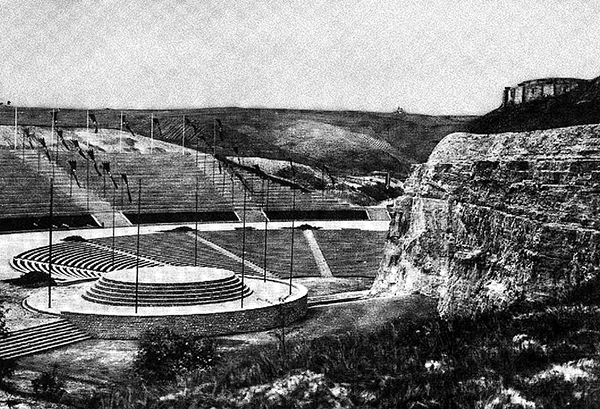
{"x": 492, "y": 220}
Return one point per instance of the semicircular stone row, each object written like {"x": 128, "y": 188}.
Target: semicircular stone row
{"x": 76, "y": 261}
{"x": 122, "y": 293}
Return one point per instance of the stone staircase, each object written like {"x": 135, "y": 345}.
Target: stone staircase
{"x": 40, "y": 338}
{"x": 100, "y": 209}
{"x": 107, "y": 291}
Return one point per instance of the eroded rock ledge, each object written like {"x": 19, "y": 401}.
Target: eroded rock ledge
{"x": 492, "y": 220}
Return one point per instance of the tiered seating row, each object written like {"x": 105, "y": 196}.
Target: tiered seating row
{"x": 168, "y": 183}
{"x": 26, "y": 194}
{"x": 280, "y": 197}
{"x": 351, "y": 253}
{"x": 278, "y": 250}
{"x": 76, "y": 261}
{"x": 111, "y": 292}
{"x": 174, "y": 248}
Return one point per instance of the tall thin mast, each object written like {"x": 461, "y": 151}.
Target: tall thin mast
{"x": 87, "y": 129}
{"x": 52, "y": 140}
{"x": 265, "y": 210}
{"x": 243, "y": 246}
{"x": 52, "y": 129}
{"x": 196, "y": 227}
{"x": 121, "y": 133}
{"x": 16, "y": 128}
{"x": 137, "y": 254}
{"x": 214, "y": 148}
{"x": 293, "y": 223}
{"x": 183, "y": 136}
{"x": 151, "y": 132}
{"x": 50, "y": 243}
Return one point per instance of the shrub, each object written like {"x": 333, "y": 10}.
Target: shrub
{"x": 7, "y": 366}
{"x": 49, "y": 385}
{"x": 33, "y": 279}
{"x": 163, "y": 355}
{"x": 74, "y": 238}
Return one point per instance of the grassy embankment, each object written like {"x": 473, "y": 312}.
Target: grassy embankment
{"x": 537, "y": 356}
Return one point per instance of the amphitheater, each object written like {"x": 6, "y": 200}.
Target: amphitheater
{"x": 146, "y": 232}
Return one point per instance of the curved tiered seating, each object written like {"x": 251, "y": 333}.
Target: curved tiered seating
{"x": 76, "y": 261}
{"x": 174, "y": 248}
{"x": 278, "y": 250}
{"x": 168, "y": 185}
{"x": 168, "y": 287}
{"x": 351, "y": 252}
{"x": 26, "y": 196}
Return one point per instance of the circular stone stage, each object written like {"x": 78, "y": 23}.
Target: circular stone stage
{"x": 200, "y": 300}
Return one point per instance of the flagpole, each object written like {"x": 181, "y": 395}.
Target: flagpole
{"x": 266, "y": 229}
{"x": 87, "y": 129}
{"x": 137, "y": 254}
{"x": 243, "y": 247}
{"x": 293, "y": 223}
{"x": 50, "y": 243}
{"x": 322, "y": 183}
{"x": 196, "y": 227}
{"x": 113, "y": 227}
{"x": 183, "y": 136}
{"x": 196, "y": 150}
{"x": 52, "y": 129}
{"x": 52, "y": 140}
{"x": 151, "y": 132}
{"x": 87, "y": 183}
{"x": 23, "y": 147}
{"x": 16, "y": 128}
{"x": 121, "y": 133}
{"x": 232, "y": 191}
{"x": 214, "y": 148}
{"x": 221, "y": 171}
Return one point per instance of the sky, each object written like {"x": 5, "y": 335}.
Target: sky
{"x": 430, "y": 57}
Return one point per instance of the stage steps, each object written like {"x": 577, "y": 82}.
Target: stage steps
{"x": 110, "y": 292}
{"x": 40, "y": 338}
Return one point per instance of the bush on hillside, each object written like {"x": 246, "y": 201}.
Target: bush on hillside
{"x": 379, "y": 192}
{"x": 164, "y": 355}
{"x": 7, "y": 366}
{"x": 49, "y": 385}
{"x": 74, "y": 239}
{"x": 33, "y": 279}
{"x": 181, "y": 229}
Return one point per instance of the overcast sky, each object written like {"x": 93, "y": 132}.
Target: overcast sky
{"x": 435, "y": 57}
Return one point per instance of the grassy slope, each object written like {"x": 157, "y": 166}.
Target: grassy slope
{"x": 345, "y": 140}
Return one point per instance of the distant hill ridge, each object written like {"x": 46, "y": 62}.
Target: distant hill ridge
{"x": 351, "y": 141}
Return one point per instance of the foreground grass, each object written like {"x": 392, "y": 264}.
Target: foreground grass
{"x": 543, "y": 357}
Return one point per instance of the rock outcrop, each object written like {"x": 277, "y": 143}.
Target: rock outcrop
{"x": 498, "y": 219}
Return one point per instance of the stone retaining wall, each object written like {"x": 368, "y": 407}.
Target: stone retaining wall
{"x": 106, "y": 326}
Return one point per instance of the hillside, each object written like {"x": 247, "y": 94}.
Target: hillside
{"x": 359, "y": 142}
{"x": 578, "y": 107}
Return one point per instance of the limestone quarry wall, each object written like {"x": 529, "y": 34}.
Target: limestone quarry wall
{"x": 493, "y": 220}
